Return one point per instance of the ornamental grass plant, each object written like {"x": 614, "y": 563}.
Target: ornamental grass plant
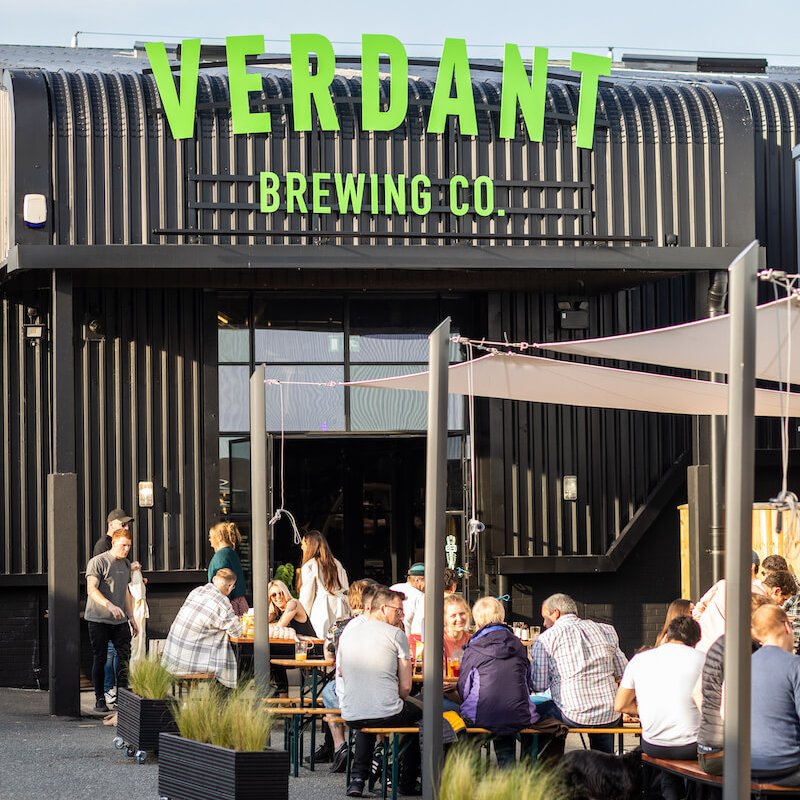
{"x": 465, "y": 777}
{"x": 234, "y": 720}
{"x": 150, "y": 680}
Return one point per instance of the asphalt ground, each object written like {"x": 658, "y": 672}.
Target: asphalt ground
{"x": 56, "y": 758}
{"x": 44, "y": 757}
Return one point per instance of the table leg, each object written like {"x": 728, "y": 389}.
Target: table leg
{"x": 313, "y": 719}
{"x": 395, "y": 767}
{"x": 297, "y": 742}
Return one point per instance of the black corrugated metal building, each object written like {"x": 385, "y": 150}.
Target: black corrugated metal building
{"x": 160, "y": 284}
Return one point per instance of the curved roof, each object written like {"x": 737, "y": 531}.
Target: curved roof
{"x": 673, "y": 157}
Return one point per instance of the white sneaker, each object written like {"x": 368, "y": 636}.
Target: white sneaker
{"x": 111, "y": 697}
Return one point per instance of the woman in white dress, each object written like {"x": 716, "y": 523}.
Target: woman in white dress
{"x": 322, "y": 583}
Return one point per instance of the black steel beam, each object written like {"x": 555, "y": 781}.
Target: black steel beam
{"x": 63, "y": 633}
{"x": 63, "y": 380}
{"x": 379, "y": 257}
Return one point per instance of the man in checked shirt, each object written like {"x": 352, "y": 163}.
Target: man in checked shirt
{"x": 580, "y": 662}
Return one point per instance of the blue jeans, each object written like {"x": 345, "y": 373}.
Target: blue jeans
{"x": 328, "y": 695}
{"x": 110, "y": 671}
{"x": 603, "y": 742}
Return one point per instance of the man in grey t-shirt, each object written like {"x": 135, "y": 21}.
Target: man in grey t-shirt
{"x": 109, "y": 611}
{"x": 374, "y": 682}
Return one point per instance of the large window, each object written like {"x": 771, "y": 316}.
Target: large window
{"x": 312, "y": 345}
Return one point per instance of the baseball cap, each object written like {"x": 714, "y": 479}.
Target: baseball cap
{"x": 119, "y": 514}
{"x": 756, "y": 559}
{"x": 417, "y": 570}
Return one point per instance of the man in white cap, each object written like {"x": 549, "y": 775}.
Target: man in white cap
{"x": 414, "y": 605}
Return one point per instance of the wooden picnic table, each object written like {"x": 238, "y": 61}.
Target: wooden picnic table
{"x": 445, "y": 679}
{"x": 273, "y": 642}
{"x": 315, "y": 665}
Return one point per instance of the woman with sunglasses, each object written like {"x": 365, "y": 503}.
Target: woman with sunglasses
{"x": 286, "y": 612}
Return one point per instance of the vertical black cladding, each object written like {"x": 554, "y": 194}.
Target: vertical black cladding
{"x": 25, "y": 431}
{"x": 139, "y": 387}
{"x": 619, "y": 457}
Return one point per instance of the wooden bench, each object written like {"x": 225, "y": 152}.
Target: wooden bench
{"x": 294, "y": 717}
{"x": 633, "y": 730}
{"x": 692, "y": 771}
{"x": 396, "y": 733}
{"x": 185, "y": 680}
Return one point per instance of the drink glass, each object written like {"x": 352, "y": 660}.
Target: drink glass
{"x": 301, "y": 650}
{"x": 453, "y": 667}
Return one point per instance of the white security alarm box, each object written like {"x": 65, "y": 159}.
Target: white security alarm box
{"x": 34, "y": 210}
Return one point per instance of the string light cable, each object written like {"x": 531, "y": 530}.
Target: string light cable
{"x": 281, "y": 510}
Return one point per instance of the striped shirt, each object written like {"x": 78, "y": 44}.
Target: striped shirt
{"x": 579, "y": 660}
{"x": 198, "y": 638}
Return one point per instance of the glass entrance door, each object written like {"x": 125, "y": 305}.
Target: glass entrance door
{"x": 365, "y": 495}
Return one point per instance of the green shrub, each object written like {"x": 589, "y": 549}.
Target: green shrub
{"x": 285, "y": 573}
{"x": 234, "y": 720}
{"x": 149, "y": 679}
{"x": 465, "y": 778}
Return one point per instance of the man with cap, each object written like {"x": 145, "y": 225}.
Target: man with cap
{"x": 109, "y": 611}
{"x": 414, "y": 605}
{"x": 118, "y": 519}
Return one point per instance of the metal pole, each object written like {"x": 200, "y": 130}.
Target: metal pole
{"x": 739, "y": 522}
{"x": 435, "y": 499}
{"x": 260, "y": 543}
{"x": 716, "y": 301}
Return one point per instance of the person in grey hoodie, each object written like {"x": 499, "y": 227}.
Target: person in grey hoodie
{"x": 494, "y": 684}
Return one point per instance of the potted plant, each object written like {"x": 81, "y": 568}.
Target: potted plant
{"x": 221, "y": 750}
{"x": 143, "y": 710}
{"x": 465, "y": 778}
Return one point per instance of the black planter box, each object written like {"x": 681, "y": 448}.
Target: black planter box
{"x": 140, "y": 721}
{"x": 190, "y": 770}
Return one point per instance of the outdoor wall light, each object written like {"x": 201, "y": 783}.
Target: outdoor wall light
{"x": 34, "y": 329}
{"x": 145, "y": 494}
{"x": 573, "y": 314}
{"x": 93, "y": 328}
{"x": 570, "y": 487}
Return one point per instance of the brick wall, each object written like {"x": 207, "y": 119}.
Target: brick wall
{"x": 23, "y": 637}
{"x": 634, "y": 599}
{"x": 23, "y": 631}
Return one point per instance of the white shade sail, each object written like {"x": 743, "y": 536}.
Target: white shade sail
{"x": 545, "y": 380}
{"x": 704, "y": 345}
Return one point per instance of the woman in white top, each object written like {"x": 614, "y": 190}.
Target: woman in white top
{"x": 658, "y": 685}
{"x": 322, "y": 583}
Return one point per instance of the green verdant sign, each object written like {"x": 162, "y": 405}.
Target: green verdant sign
{"x": 452, "y": 95}
{"x": 357, "y": 193}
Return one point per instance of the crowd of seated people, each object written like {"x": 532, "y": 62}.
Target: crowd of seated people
{"x": 573, "y": 675}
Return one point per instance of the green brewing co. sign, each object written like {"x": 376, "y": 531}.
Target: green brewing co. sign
{"x": 452, "y": 97}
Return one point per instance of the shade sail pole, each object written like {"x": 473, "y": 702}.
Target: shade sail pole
{"x": 435, "y": 488}
{"x": 739, "y": 522}
{"x": 259, "y": 490}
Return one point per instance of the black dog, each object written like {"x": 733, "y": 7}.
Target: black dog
{"x": 591, "y": 775}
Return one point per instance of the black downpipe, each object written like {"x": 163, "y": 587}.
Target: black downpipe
{"x": 717, "y": 296}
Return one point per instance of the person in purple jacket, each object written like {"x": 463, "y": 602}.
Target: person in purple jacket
{"x": 494, "y": 684}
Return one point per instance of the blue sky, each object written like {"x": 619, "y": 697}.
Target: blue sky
{"x": 768, "y": 27}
